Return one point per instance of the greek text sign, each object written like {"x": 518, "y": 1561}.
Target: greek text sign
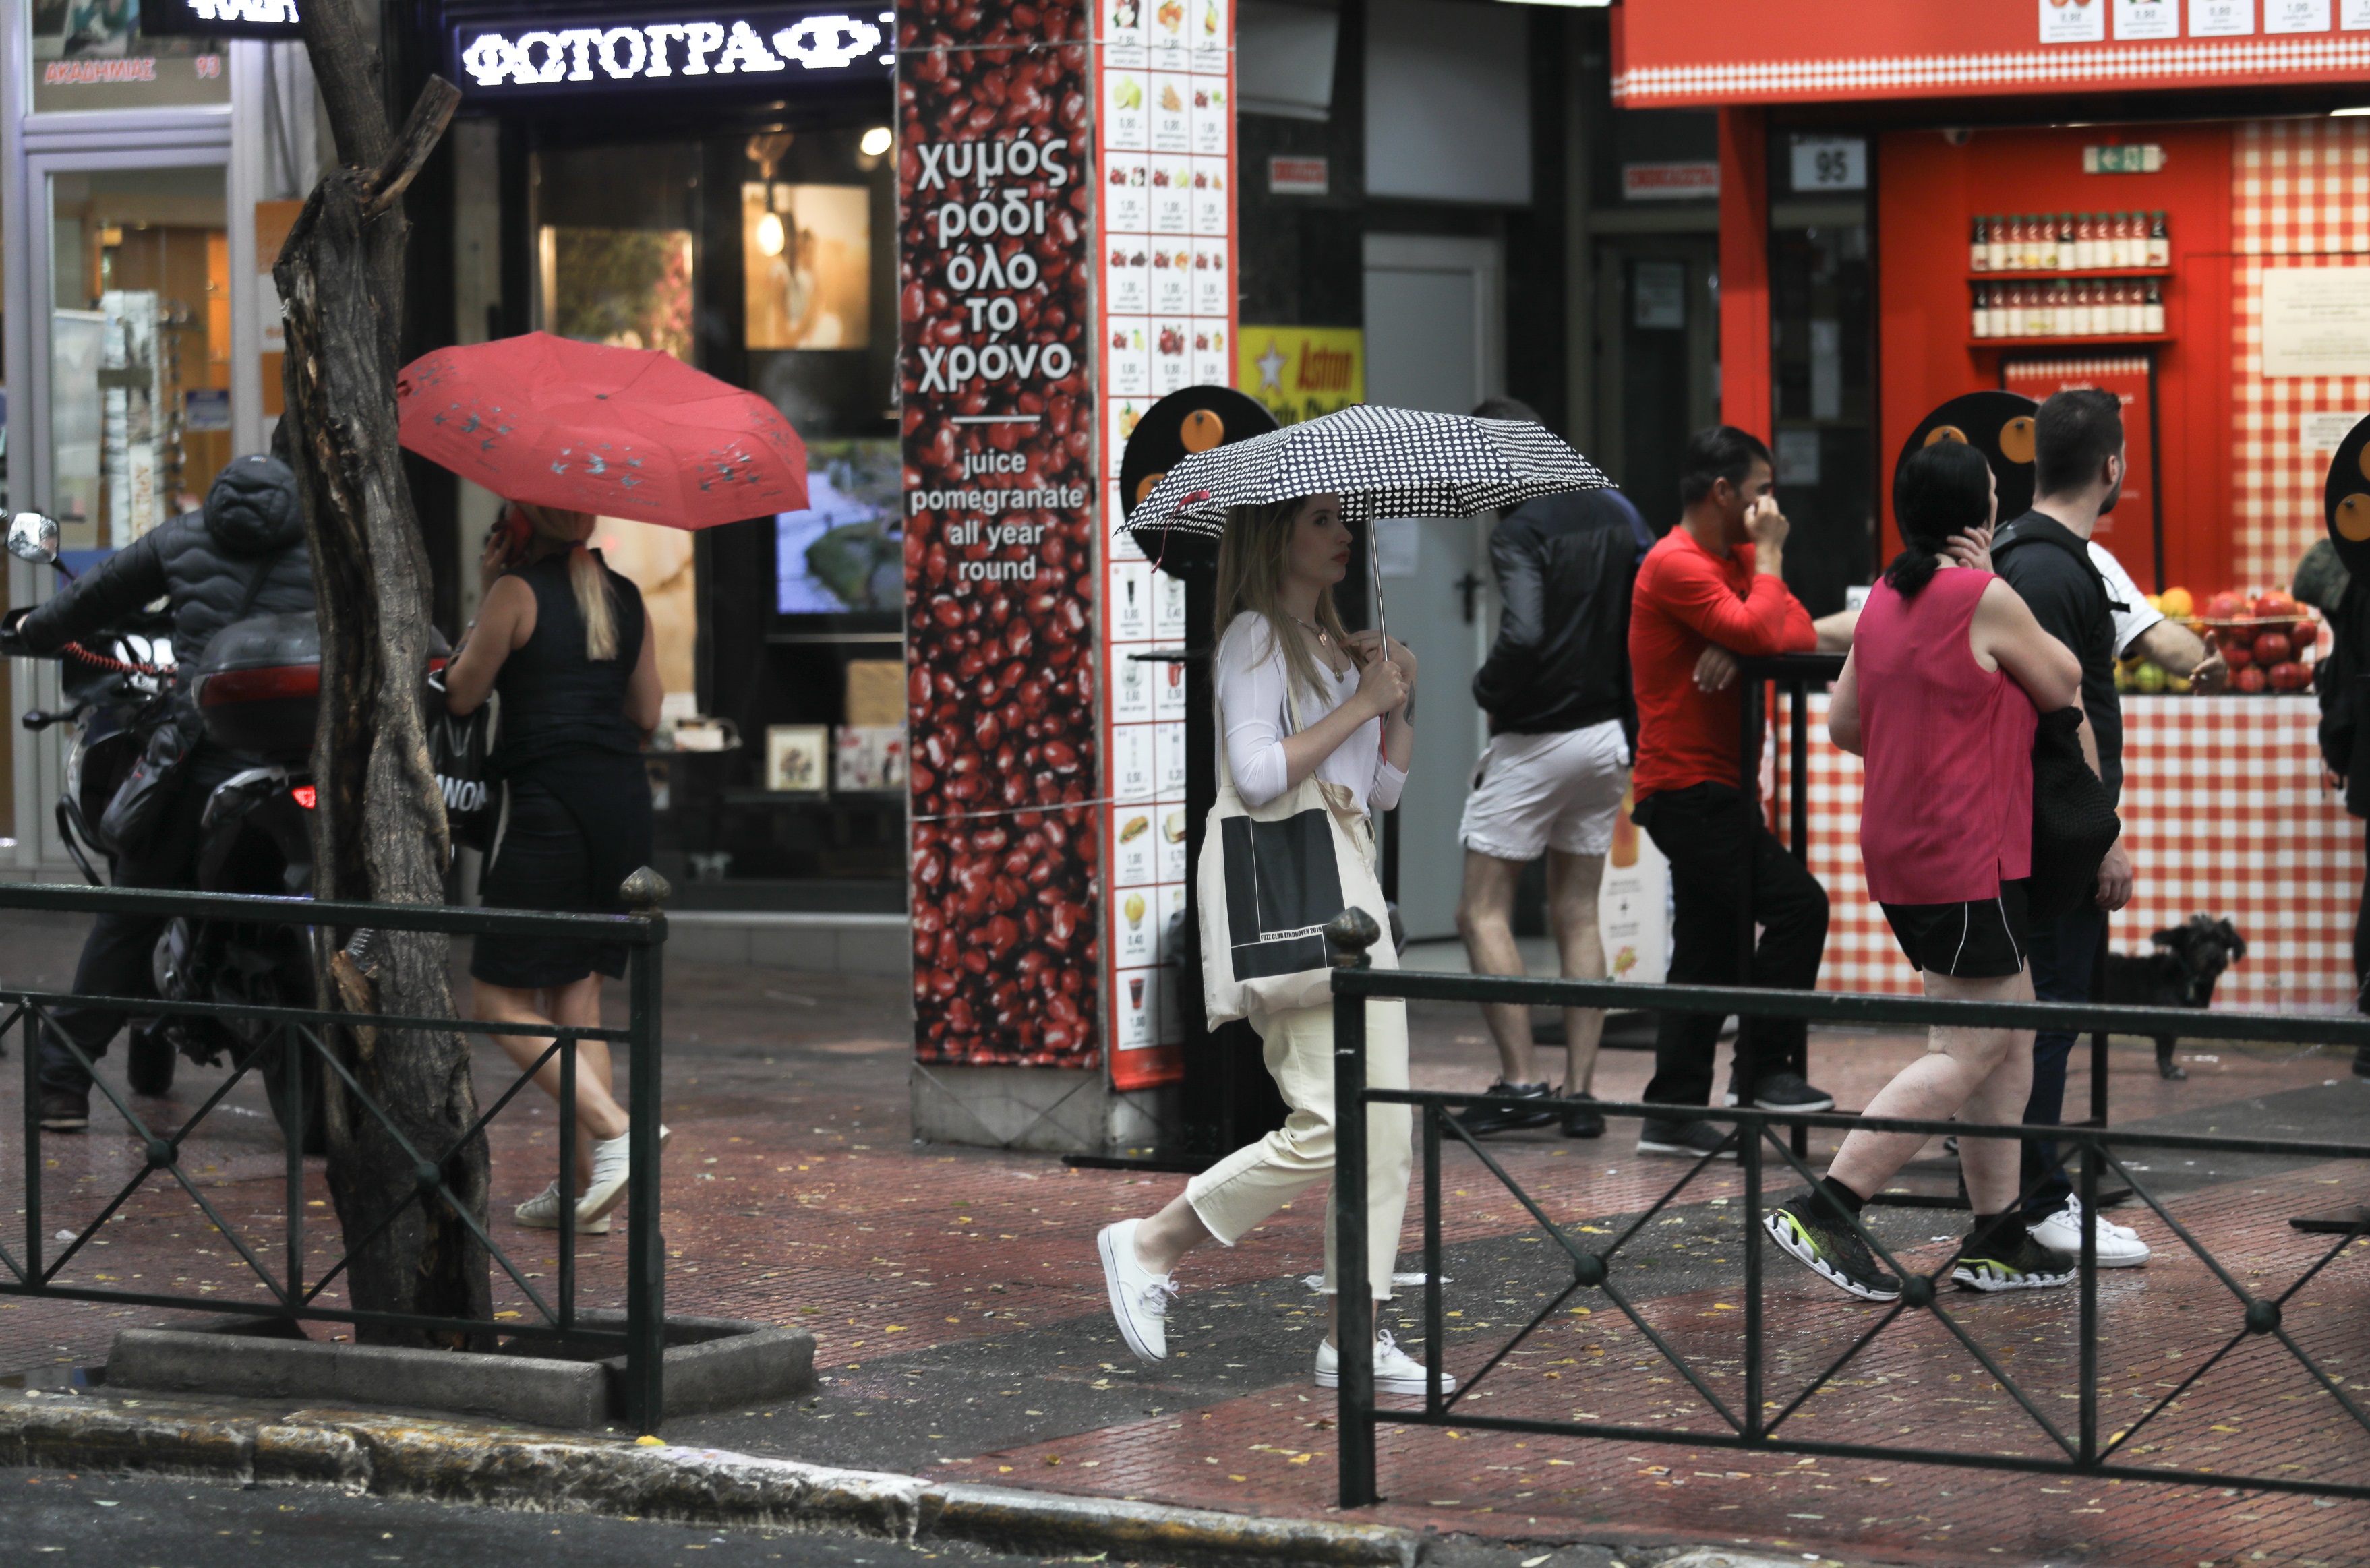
{"x": 544, "y": 53}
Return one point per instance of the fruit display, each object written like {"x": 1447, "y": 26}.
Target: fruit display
{"x": 2268, "y": 639}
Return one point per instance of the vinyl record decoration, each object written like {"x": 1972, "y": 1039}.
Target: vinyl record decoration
{"x": 1998, "y": 425}
{"x": 1194, "y": 419}
{"x": 2347, "y": 499}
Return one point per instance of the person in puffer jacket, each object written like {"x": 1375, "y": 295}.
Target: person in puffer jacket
{"x": 243, "y": 555}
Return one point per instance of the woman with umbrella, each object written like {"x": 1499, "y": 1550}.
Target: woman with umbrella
{"x": 572, "y": 431}
{"x": 1282, "y": 655}
{"x": 1299, "y": 697}
{"x": 565, "y": 641}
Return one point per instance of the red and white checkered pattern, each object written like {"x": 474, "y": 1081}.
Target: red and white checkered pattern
{"x": 2222, "y": 813}
{"x": 2300, "y": 196}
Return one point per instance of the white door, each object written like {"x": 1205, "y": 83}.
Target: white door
{"x": 1435, "y": 338}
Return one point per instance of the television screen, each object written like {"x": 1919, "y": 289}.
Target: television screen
{"x": 845, "y": 554}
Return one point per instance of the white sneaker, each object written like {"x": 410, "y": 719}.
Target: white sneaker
{"x": 2119, "y": 1246}
{"x": 1395, "y": 1371}
{"x": 611, "y": 1163}
{"x": 541, "y": 1212}
{"x": 1139, "y": 1298}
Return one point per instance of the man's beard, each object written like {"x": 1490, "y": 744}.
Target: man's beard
{"x": 2112, "y": 497}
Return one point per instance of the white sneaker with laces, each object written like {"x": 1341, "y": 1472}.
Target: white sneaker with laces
{"x": 1139, "y": 1298}
{"x": 1395, "y": 1371}
{"x": 611, "y": 1163}
{"x": 2119, "y": 1246}
{"x": 541, "y": 1212}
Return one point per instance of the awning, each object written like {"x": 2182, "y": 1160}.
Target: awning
{"x": 1675, "y": 53}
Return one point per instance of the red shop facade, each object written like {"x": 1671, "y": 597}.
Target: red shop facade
{"x": 2163, "y": 198}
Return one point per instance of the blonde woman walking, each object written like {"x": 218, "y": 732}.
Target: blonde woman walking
{"x": 1297, "y": 696}
{"x": 566, "y": 643}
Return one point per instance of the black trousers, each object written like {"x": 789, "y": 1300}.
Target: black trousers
{"x": 118, "y": 956}
{"x": 2064, "y": 954}
{"x": 1710, "y": 833}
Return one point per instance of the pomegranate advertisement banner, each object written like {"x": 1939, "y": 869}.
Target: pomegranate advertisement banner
{"x": 996, "y": 169}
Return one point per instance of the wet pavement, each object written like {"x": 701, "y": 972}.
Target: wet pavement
{"x": 958, "y": 1309}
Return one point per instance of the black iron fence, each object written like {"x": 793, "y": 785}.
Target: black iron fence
{"x": 289, "y": 1039}
{"x": 1754, "y": 1421}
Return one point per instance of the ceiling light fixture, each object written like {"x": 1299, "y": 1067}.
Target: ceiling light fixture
{"x": 877, "y": 141}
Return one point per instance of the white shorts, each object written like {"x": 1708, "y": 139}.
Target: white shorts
{"x": 1538, "y": 791}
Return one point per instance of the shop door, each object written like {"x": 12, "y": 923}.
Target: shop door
{"x": 1658, "y": 363}
{"x": 128, "y": 400}
{"x": 1435, "y": 338}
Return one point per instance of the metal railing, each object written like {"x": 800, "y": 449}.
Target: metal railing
{"x": 287, "y": 1038}
{"x": 1754, "y": 1423}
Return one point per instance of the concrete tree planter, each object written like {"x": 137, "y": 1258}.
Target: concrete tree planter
{"x": 568, "y": 1385}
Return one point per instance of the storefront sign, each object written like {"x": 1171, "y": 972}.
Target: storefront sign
{"x": 273, "y": 19}
{"x": 1299, "y": 373}
{"x": 540, "y": 51}
{"x": 2317, "y": 321}
{"x": 1298, "y": 177}
{"x": 1668, "y": 182}
{"x": 1716, "y": 53}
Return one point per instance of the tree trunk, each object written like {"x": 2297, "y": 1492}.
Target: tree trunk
{"x": 378, "y": 829}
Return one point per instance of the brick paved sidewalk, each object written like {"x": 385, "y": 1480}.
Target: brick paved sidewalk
{"x": 959, "y": 1309}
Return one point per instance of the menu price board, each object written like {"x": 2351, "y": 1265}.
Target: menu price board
{"x": 1165, "y": 254}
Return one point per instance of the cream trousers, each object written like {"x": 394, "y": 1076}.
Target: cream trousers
{"x": 1255, "y": 1181}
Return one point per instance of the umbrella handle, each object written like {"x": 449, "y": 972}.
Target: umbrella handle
{"x": 1375, "y": 571}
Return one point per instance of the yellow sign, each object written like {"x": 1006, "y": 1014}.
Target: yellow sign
{"x": 1301, "y": 371}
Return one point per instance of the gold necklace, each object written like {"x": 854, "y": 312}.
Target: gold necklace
{"x": 1322, "y": 640}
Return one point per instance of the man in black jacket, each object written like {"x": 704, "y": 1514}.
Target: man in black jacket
{"x": 243, "y": 555}
{"x": 1562, "y": 723}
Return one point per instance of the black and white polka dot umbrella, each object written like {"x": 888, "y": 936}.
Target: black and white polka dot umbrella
{"x": 1381, "y": 461}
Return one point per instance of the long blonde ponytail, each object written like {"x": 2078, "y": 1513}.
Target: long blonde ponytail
{"x": 585, "y": 577}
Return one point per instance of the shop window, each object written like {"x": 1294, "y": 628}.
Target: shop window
{"x": 138, "y": 407}
{"x": 91, "y": 55}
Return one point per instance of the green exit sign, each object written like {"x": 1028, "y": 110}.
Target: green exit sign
{"x": 2143, "y": 158}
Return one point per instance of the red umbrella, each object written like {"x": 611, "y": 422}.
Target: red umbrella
{"x": 621, "y": 432}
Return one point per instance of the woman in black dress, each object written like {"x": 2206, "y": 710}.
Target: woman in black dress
{"x": 566, "y": 643}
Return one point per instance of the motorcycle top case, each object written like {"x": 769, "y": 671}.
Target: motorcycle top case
{"x": 259, "y": 687}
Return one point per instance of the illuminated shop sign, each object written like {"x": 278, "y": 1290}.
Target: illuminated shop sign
{"x": 220, "y": 18}
{"x": 775, "y": 45}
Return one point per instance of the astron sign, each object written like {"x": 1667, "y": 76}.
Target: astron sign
{"x": 772, "y": 46}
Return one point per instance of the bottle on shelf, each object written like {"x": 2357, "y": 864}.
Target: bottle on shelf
{"x": 2085, "y": 242}
{"x": 1995, "y": 244}
{"x": 1981, "y": 321}
{"x": 2086, "y": 310}
{"x": 2126, "y": 254}
{"x": 2159, "y": 241}
{"x": 2119, "y": 310}
{"x": 1978, "y": 252}
{"x": 2152, "y": 309}
{"x": 2061, "y": 309}
{"x": 2028, "y": 245}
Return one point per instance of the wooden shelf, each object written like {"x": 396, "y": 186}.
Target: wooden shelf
{"x": 2115, "y": 340}
{"x": 2044, "y": 275}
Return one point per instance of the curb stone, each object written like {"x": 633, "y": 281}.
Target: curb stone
{"x": 396, "y": 1455}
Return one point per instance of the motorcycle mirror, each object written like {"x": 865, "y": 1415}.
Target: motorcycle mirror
{"x": 33, "y": 537}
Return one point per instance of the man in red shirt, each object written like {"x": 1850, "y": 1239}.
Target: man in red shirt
{"x": 1714, "y": 583}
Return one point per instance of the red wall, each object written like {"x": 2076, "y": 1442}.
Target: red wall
{"x": 1928, "y": 193}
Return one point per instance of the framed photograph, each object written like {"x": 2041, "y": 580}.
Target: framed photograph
{"x": 796, "y": 758}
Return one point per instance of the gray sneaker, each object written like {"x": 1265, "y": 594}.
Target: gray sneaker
{"x": 1690, "y": 1140}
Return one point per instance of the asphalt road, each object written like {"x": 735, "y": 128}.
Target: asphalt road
{"x": 175, "y": 1523}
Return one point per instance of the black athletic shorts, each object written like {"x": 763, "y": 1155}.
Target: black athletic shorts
{"x": 1979, "y": 940}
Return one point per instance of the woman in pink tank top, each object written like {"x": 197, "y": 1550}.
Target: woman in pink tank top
{"x": 1948, "y": 672}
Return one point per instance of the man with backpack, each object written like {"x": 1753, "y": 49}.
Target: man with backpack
{"x": 2044, "y": 556}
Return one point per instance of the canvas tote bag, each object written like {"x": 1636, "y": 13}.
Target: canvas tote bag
{"x": 1268, "y": 879}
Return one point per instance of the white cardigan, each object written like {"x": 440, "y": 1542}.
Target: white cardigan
{"x": 1248, "y": 676}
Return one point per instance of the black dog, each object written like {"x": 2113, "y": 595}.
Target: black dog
{"x": 2181, "y": 973}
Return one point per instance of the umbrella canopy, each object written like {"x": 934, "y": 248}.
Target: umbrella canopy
{"x": 620, "y": 432}
{"x": 1381, "y": 461}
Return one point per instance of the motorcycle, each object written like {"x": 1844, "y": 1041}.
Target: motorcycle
{"x": 256, "y": 686}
